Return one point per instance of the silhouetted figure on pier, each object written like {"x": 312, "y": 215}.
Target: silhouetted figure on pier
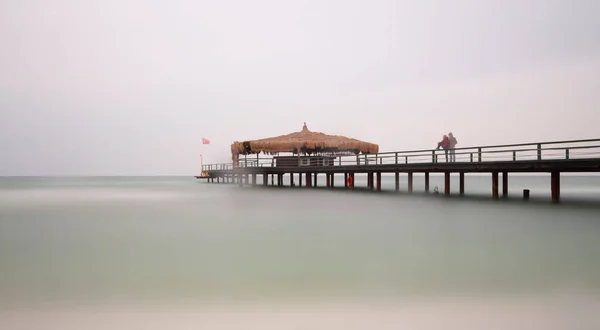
{"x": 452, "y": 145}
{"x": 444, "y": 144}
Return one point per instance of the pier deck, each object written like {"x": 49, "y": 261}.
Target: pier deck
{"x": 543, "y": 157}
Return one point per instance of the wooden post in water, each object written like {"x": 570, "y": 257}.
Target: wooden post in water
{"x": 308, "y": 179}
{"x": 495, "y": 185}
{"x": 447, "y": 183}
{"x": 426, "y": 181}
{"x": 397, "y": 175}
{"x": 272, "y": 179}
{"x": 378, "y": 181}
{"x": 254, "y": 179}
{"x": 461, "y": 183}
{"x": 291, "y": 179}
{"x": 265, "y": 179}
{"x": 316, "y": 179}
{"x": 332, "y": 179}
{"x": 410, "y": 182}
{"x": 300, "y": 179}
{"x": 345, "y": 180}
{"x": 504, "y": 184}
{"x": 353, "y": 182}
{"x": 555, "y": 186}
{"x": 328, "y": 180}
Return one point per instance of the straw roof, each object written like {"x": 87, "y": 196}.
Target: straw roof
{"x": 305, "y": 142}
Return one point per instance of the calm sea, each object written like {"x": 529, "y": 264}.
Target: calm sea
{"x": 171, "y": 238}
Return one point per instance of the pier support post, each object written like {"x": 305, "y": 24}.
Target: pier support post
{"x": 332, "y": 179}
{"x": 240, "y": 181}
{"x": 292, "y": 179}
{"x": 272, "y": 179}
{"x": 397, "y": 177}
{"x": 254, "y": 179}
{"x": 247, "y": 178}
{"x": 300, "y": 179}
{"x": 280, "y": 179}
{"x": 378, "y": 181}
{"x": 410, "y": 182}
{"x": 555, "y": 186}
{"x": 353, "y": 182}
{"x": 345, "y": 180}
{"x": 461, "y": 183}
{"x": 447, "y": 183}
{"x": 308, "y": 179}
{"x": 328, "y": 180}
{"x": 504, "y": 184}
{"x": 315, "y": 185}
{"x": 218, "y": 179}
{"x": 495, "y": 185}
{"x": 426, "y": 181}
{"x": 265, "y": 179}
{"x": 370, "y": 180}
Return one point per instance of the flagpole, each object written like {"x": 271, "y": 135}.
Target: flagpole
{"x": 201, "y": 172}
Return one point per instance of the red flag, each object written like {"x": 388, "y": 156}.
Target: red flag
{"x": 205, "y": 141}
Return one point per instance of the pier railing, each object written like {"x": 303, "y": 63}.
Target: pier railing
{"x": 540, "y": 151}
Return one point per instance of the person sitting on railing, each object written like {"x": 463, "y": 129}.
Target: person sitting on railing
{"x": 452, "y": 145}
{"x": 444, "y": 144}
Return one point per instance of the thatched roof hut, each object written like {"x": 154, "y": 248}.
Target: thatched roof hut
{"x": 304, "y": 142}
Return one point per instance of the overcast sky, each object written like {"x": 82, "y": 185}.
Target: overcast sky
{"x": 122, "y": 87}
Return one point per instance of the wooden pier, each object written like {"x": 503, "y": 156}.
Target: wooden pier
{"x": 500, "y": 160}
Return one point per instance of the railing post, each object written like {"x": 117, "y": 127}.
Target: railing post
{"x": 567, "y": 154}
{"x": 366, "y": 163}
{"x": 471, "y": 154}
{"x": 479, "y": 154}
{"x": 433, "y": 158}
{"x": 357, "y": 160}
{"x": 340, "y": 161}
{"x": 245, "y": 160}
{"x": 396, "y": 158}
{"x": 405, "y": 159}
{"x": 380, "y": 160}
{"x": 514, "y": 156}
{"x": 539, "y": 151}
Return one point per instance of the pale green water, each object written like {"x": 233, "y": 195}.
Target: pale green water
{"x": 176, "y": 238}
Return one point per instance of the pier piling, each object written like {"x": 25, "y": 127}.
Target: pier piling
{"x": 495, "y": 185}
{"x": 555, "y": 186}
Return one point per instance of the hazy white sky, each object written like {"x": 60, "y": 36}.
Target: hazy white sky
{"x": 121, "y": 87}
